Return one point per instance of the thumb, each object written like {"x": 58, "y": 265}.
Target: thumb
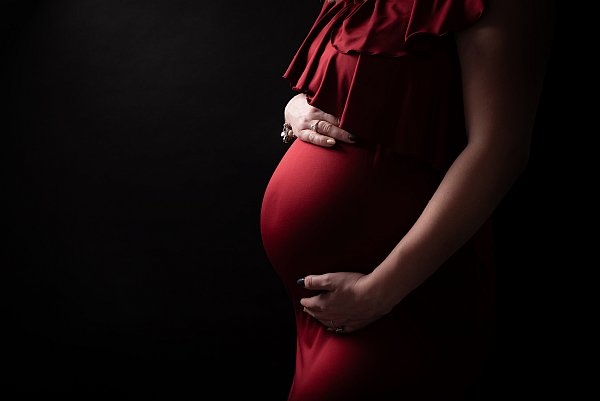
{"x": 312, "y": 282}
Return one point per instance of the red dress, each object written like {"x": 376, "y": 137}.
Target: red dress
{"x": 390, "y": 71}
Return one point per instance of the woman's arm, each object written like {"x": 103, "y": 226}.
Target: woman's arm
{"x": 502, "y": 59}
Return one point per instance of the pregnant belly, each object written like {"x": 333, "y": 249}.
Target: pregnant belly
{"x": 339, "y": 209}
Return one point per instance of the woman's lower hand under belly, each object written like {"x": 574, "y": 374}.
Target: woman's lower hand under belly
{"x": 342, "y": 301}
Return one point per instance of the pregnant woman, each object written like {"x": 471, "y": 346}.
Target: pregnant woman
{"x": 412, "y": 120}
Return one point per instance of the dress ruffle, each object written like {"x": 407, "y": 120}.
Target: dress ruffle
{"x": 392, "y": 28}
{"x": 390, "y": 72}
{"x": 439, "y": 17}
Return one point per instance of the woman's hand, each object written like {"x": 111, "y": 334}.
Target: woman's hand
{"x": 345, "y": 304}
{"x": 312, "y": 125}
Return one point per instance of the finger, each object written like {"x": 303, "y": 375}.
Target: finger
{"x": 309, "y": 311}
{"x": 318, "y": 114}
{"x": 312, "y": 305}
{"x": 329, "y": 125}
{"x": 318, "y": 282}
{"x": 315, "y": 138}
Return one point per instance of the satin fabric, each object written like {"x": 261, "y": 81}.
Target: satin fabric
{"x": 390, "y": 71}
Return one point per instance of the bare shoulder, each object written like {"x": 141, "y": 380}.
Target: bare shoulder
{"x": 503, "y": 58}
{"x": 523, "y": 25}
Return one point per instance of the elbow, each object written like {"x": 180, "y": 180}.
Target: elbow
{"x": 515, "y": 149}
{"x": 521, "y": 156}
{"x": 512, "y": 157}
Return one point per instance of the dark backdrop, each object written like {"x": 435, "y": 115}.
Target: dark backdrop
{"x": 140, "y": 137}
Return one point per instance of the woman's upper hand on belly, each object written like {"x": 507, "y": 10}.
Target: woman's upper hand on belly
{"x": 313, "y": 125}
{"x": 343, "y": 304}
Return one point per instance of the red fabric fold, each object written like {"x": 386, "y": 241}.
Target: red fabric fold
{"x": 390, "y": 72}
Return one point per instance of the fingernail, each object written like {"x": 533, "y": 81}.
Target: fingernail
{"x": 352, "y": 138}
{"x": 300, "y": 282}
{"x": 331, "y": 141}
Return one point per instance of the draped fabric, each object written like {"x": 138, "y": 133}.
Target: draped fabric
{"x": 390, "y": 71}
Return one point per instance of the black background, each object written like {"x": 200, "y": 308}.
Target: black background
{"x": 140, "y": 137}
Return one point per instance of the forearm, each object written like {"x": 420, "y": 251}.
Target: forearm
{"x": 464, "y": 200}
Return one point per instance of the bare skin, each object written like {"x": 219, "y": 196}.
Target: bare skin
{"x": 301, "y": 116}
{"x": 503, "y": 60}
